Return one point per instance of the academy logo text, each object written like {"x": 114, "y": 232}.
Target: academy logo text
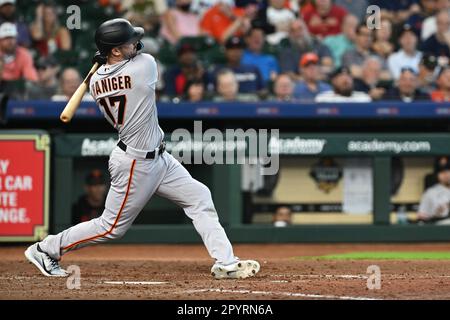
{"x": 389, "y": 146}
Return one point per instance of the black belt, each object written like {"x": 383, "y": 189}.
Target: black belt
{"x": 150, "y": 154}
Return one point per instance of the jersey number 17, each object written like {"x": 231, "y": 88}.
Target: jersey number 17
{"x": 111, "y": 102}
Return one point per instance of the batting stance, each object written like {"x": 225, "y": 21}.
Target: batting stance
{"x": 124, "y": 89}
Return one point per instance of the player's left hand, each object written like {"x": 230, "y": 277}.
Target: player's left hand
{"x": 99, "y": 58}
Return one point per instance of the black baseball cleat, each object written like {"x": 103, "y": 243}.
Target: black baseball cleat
{"x": 46, "y": 264}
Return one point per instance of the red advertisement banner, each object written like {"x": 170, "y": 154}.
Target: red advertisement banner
{"x": 23, "y": 188}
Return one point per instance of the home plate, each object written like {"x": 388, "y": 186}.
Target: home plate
{"x": 135, "y": 282}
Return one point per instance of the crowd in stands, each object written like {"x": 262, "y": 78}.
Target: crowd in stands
{"x": 240, "y": 50}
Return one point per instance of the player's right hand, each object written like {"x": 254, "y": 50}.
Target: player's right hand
{"x": 99, "y": 58}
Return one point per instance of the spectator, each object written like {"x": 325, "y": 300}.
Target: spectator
{"x": 47, "y": 84}
{"x": 8, "y": 14}
{"x": 300, "y": 42}
{"x": 307, "y": 89}
{"x": 434, "y": 205}
{"x": 427, "y": 9}
{"x": 323, "y": 18}
{"x": 69, "y": 81}
{"x": 147, "y": 14}
{"x": 382, "y": 45}
{"x": 248, "y": 76}
{"x": 370, "y": 82}
{"x": 282, "y": 217}
{"x": 201, "y": 6}
{"x": 408, "y": 56}
{"x": 397, "y": 11}
{"x": 227, "y": 88}
{"x": 407, "y": 88}
{"x": 223, "y": 20}
{"x": 253, "y": 55}
{"x": 429, "y": 26}
{"x": 345, "y": 41}
{"x": 354, "y": 58}
{"x": 439, "y": 43}
{"x": 48, "y": 35}
{"x": 194, "y": 91}
{"x": 342, "y": 82}
{"x": 91, "y": 204}
{"x": 442, "y": 94}
{"x": 357, "y": 8}
{"x": 283, "y": 88}
{"x": 188, "y": 69}
{"x": 280, "y": 17}
{"x": 180, "y": 22}
{"x": 16, "y": 62}
{"x": 426, "y": 76}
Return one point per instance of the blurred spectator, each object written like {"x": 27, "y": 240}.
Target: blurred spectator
{"x": 47, "y": 84}
{"x": 307, "y": 89}
{"x": 343, "y": 91}
{"x": 194, "y": 91}
{"x": 248, "y": 76}
{"x": 223, "y": 20}
{"x": 91, "y": 204}
{"x": 280, "y": 17}
{"x": 16, "y": 62}
{"x": 397, "y": 11}
{"x": 442, "y": 94}
{"x": 427, "y": 9}
{"x": 439, "y": 43}
{"x": 69, "y": 81}
{"x": 253, "y": 55}
{"x": 282, "y": 217}
{"x": 180, "y": 22}
{"x": 370, "y": 82}
{"x": 283, "y": 88}
{"x": 429, "y": 25}
{"x": 408, "y": 56}
{"x": 201, "y": 6}
{"x": 300, "y": 41}
{"x": 435, "y": 202}
{"x": 227, "y": 88}
{"x": 189, "y": 68}
{"x": 382, "y": 44}
{"x": 323, "y": 18}
{"x": 357, "y": 8}
{"x": 8, "y": 14}
{"x": 146, "y": 13}
{"x": 354, "y": 58}
{"x": 345, "y": 41}
{"x": 426, "y": 77}
{"x": 407, "y": 89}
{"x": 48, "y": 35}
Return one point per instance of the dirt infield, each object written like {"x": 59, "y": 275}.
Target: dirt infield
{"x": 182, "y": 272}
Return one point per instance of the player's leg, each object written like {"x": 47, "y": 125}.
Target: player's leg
{"x": 195, "y": 198}
{"x": 132, "y": 184}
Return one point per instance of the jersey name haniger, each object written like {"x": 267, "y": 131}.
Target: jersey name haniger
{"x": 111, "y": 84}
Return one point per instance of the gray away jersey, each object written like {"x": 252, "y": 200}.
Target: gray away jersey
{"x": 125, "y": 94}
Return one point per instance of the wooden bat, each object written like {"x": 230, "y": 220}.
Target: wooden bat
{"x": 74, "y": 102}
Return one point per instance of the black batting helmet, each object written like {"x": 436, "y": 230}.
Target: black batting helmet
{"x": 117, "y": 32}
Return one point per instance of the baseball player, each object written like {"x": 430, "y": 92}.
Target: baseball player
{"x": 124, "y": 89}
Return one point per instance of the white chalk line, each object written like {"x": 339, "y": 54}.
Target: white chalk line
{"x": 273, "y": 293}
{"x": 136, "y": 282}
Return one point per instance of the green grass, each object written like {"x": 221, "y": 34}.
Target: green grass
{"x": 384, "y": 255}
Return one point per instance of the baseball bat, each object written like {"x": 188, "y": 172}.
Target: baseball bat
{"x": 74, "y": 101}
